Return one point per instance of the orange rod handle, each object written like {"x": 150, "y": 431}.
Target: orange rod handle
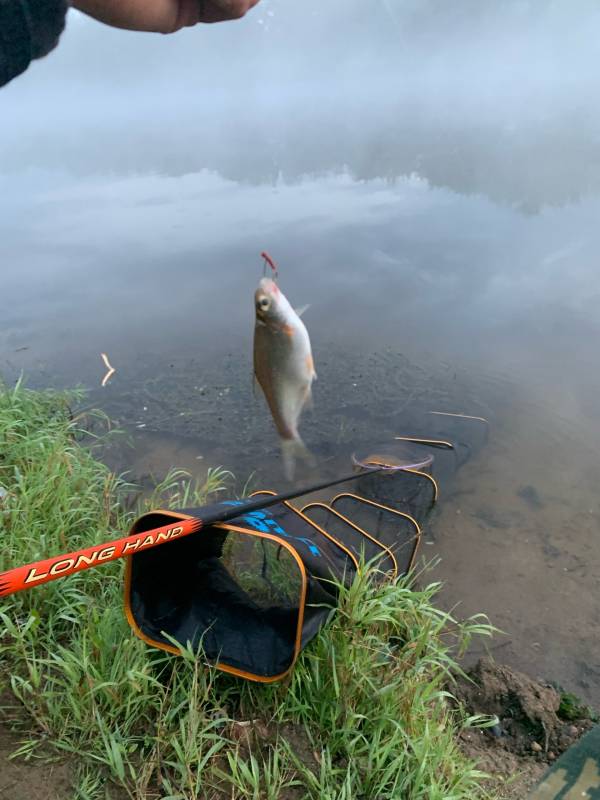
{"x": 51, "y": 569}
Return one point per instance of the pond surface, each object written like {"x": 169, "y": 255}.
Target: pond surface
{"x": 443, "y": 230}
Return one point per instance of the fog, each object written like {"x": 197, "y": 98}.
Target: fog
{"x": 476, "y": 96}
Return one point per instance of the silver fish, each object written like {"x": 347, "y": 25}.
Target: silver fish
{"x": 283, "y": 366}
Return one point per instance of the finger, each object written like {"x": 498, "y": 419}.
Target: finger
{"x": 222, "y": 10}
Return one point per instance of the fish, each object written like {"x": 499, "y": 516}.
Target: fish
{"x": 284, "y": 368}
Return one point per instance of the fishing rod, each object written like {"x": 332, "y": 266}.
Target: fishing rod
{"x": 20, "y": 579}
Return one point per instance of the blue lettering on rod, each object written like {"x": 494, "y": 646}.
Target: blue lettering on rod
{"x": 264, "y": 522}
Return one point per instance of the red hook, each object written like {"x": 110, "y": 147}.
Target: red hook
{"x": 270, "y": 262}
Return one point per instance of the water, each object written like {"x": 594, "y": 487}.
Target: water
{"x": 436, "y": 206}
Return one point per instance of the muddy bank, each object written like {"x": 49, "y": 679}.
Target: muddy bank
{"x": 536, "y": 723}
{"x": 31, "y": 779}
{"x": 27, "y": 780}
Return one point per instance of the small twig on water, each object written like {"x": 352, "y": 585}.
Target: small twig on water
{"x": 111, "y": 369}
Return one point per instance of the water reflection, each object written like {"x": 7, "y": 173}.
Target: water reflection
{"x": 169, "y": 265}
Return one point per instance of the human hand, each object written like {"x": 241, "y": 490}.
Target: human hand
{"x": 163, "y": 16}
{"x": 222, "y": 10}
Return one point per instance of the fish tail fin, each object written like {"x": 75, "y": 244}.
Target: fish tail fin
{"x": 293, "y": 450}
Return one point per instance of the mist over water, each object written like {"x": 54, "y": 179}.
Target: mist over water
{"x": 427, "y": 174}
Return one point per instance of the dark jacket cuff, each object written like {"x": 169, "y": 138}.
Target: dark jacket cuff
{"x": 47, "y": 21}
{"x": 28, "y": 29}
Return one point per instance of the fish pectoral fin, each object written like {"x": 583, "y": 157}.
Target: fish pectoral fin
{"x": 302, "y": 309}
{"x": 308, "y": 400}
{"x": 254, "y": 385}
{"x": 310, "y": 365}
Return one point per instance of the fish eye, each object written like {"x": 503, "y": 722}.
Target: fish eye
{"x": 264, "y": 302}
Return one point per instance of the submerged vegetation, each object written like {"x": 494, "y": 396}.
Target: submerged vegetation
{"x": 365, "y": 713}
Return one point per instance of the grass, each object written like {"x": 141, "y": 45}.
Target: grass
{"x": 365, "y": 713}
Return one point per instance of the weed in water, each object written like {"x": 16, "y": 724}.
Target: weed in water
{"x": 572, "y": 708}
